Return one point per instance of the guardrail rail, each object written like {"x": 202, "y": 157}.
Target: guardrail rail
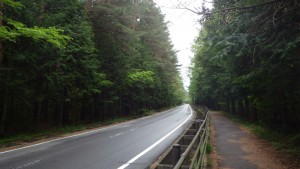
{"x": 189, "y": 151}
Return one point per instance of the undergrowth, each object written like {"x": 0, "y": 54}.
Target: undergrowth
{"x": 209, "y": 148}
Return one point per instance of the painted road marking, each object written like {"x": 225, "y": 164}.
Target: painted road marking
{"x": 121, "y": 133}
{"x": 93, "y": 131}
{"x": 117, "y": 135}
{"x": 155, "y": 144}
{"x": 27, "y": 164}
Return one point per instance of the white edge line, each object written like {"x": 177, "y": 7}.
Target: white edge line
{"x": 155, "y": 144}
{"x": 54, "y": 140}
{"x": 96, "y": 130}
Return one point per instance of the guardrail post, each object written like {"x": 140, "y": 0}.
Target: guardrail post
{"x": 175, "y": 154}
{"x": 197, "y": 121}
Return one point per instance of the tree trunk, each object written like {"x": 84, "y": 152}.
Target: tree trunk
{"x": 284, "y": 113}
{"x": 232, "y": 102}
{"x": 61, "y": 111}
{"x": 227, "y": 105}
{"x": 241, "y": 108}
{"x": 89, "y": 5}
{"x": 95, "y": 107}
{"x": 39, "y": 101}
{"x": 255, "y": 117}
{"x": 253, "y": 111}
{"x": 4, "y": 112}
{"x": 66, "y": 113}
{"x": 46, "y": 110}
{"x": 45, "y": 104}
{"x": 82, "y": 110}
{"x": 65, "y": 108}
{"x": 247, "y": 107}
{"x": 134, "y": 17}
{"x": 1, "y": 24}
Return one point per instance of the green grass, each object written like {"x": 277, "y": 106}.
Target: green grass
{"x": 28, "y": 137}
{"x": 285, "y": 142}
{"x": 209, "y": 148}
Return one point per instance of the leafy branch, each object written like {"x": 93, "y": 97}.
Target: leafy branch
{"x": 15, "y": 29}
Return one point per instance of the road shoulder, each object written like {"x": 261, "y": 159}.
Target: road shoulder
{"x": 236, "y": 147}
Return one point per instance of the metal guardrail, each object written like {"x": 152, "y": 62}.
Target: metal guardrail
{"x": 190, "y": 150}
{"x": 200, "y": 140}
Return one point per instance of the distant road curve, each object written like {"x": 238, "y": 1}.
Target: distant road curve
{"x": 133, "y": 145}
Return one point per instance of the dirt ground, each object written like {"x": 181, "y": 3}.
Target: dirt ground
{"x": 235, "y": 147}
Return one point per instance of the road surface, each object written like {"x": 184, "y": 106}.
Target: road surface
{"x": 228, "y": 143}
{"x": 133, "y": 145}
{"x": 238, "y": 148}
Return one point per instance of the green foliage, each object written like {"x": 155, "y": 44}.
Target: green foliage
{"x": 140, "y": 77}
{"x": 246, "y": 62}
{"x": 12, "y": 3}
{"x": 49, "y": 86}
{"x": 63, "y": 66}
{"x": 209, "y": 148}
{"x": 14, "y": 30}
{"x": 136, "y": 55}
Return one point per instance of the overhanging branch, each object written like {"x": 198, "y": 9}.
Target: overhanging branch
{"x": 239, "y": 8}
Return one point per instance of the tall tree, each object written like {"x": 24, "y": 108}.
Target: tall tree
{"x": 75, "y": 61}
{"x": 246, "y": 60}
{"x": 44, "y": 85}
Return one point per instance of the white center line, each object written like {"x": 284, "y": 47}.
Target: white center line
{"x": 28, "y": 164}
{"x": 155, "y": 144}
{"x": 117, "y": 135}
{"x": 76, "y": 135}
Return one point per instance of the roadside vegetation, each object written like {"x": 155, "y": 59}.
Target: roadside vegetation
{"x": 247, "y": 63}
{"x": 71, "y": 62}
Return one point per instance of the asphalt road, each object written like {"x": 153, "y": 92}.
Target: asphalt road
{"x": 132, "y": 145}
{"x": 228, "y": 143}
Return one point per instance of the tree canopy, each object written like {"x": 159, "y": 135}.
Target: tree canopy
{"x": 73, "y": 61}
{"x": 247, "y": 60}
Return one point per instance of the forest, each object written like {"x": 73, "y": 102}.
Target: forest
{"x": 79, "y": 61}
{"x": 247, "y": 61}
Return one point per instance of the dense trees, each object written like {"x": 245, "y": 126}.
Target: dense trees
{"x": 73, "y": 61}
{"x": 137, "y": 56}
{"x": 247, "y": 60}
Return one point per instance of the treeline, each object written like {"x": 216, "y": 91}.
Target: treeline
{"x": 73, "y": 61}
{"x": 247, "y": 61}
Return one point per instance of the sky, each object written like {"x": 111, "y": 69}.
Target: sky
{"x": 183, "y": 28}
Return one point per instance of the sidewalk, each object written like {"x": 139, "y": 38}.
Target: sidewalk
{"x": 237, "y": 148}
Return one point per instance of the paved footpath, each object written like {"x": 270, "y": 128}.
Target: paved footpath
{"x": 237, "y": 148}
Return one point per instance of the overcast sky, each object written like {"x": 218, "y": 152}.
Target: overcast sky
{"x": 184, "y": 28}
